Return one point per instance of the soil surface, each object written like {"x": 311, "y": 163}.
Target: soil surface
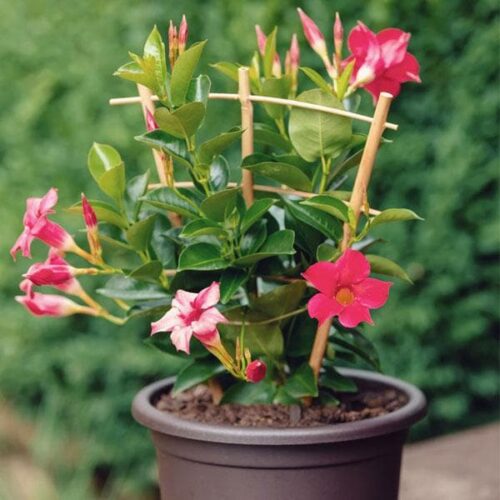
{"x": 196, "y": 404}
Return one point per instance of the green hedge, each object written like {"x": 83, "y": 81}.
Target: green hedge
{"x": 76, "y": 377}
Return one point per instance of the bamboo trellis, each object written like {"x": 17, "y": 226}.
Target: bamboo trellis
{"x": 378, "y": 123}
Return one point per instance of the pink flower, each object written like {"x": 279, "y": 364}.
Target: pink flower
{"x": 36, "y": 225}
{"x": 313, "y": 34}
{"x": 256, "y": 371}
{"x": 183, "y": 34}
{"x": 345, "y": 290}
{"x": 41, "y": 304}
{"x": 261, "y": 42}
{"x": 90, "y": 218}
{"x": 294, "y": 54}
{"x": 192, "y": 314}
{"x": 382, "y": 62}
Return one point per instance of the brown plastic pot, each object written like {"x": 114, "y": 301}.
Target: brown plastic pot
{"x": 349, "y": 461}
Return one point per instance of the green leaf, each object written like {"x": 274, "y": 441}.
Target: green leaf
{"x": 246, "y": 393}
{"x": 264, "y": 134}
{"x": 382, "y": 265}
{"x": 315, "y": 134}
{"x": 354, "y": 342}
{"x": 254, "y": 238}
{"x": 202, "y": 227}
{"x": 394, "y": 215}
{"x": 159, "y": 139}
{"x": 343, "y": 81}
{"x": 149, "y": 309}
{"x": 230, "y": 281}
{"x": 155, "y": 49}
{"x": 202, "y": 257}
{"x": 137, "y": 187}
{"x": 219, "y": 173}
{"x": 283, "y": 173}
{"x": 270, "y": 53}
{"x": 227, "y": 68}
{"x": 302, "y": 383}
{"x": 150, "y": 271}
{"x": 104, "y": 212}
{"x": 331, "y": 205}
{"x": 215, "y": 146}
{"x": 301, "y": 336}
{"x": 196, "y": 373}
{"x": 121, "y": 287}
{"x": 134, "y": 72}
{"x": 279, "y": 243}
{"x": 216, "y": 205}
{"x": 326, "y": 252}
{"x": 334, "y": 380}
{"x": 281, "y": 300}
{"x": 139, "y": 234}
{"x": 183, "y": 72}
{"x": 169, "y": 199}
{"x": 322, "y": 222}
{"x": 276, "y": 87}
{"x": 199, "y": 89}
{"x": 112, "y": 182}
{"x": 183, "y": 122}
{"x": 316, "y": 78}
{"x": 255, "y": 213}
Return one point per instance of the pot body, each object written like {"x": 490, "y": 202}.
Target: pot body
{"x": 349, "y": 461}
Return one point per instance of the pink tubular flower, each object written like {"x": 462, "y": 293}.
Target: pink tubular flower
{"x": 90, "y": 218}
{"x": 41, "y": 304}
{"x": 382, "y": 62}
{"x": 36, "y": 225}
{"x": 338, "y": 35}
{"x": 256, "y": 371}
{"x": 294, "y": 54}
{"x": 192, "y": 314}
{"x": 345, "y": 290}
{"x": 183, "y": 34}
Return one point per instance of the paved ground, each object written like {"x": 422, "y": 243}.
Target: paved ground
{"x": 464, "y": 466}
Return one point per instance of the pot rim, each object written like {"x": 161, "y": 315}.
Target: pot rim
{"x": 165, "y": 423}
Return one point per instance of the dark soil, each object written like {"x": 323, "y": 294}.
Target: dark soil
{"x": 196, "y": 404}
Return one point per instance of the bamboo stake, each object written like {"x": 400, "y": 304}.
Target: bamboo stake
{"x": 358, "y": 197}
{"x": 164, "y": 165}
{"x": 247, "y": 136}
{"x": 120, "y": 101}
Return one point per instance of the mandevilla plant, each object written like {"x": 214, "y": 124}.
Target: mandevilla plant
{"x": 250, "y": 282}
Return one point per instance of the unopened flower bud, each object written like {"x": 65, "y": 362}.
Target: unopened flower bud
{"x": 256, "y": 371}
{"x": 183, "y": 34}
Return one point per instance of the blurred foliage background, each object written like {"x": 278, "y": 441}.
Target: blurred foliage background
{"x": 75, "y": 378}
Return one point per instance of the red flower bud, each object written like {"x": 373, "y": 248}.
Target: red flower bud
{"x": 256, "y": 371}
{"x": 183, "y": 34}
{"x": 90, "y": 219}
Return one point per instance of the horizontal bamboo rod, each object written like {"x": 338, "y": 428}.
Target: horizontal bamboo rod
{"x": 119, "y": 101}
{"x": 262, "y": 188}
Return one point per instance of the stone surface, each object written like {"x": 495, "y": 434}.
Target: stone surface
{"x": 463, "y": 466}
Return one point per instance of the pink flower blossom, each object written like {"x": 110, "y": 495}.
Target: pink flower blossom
{"x": 41, "y": 304}
{"x": 183, "y": 34}
{"x": 345, "y": 290}
{"x": 382, "y": 62}
{"x": 192, "y": 314}
{"x": 256, "y": 371}
{"x": 37, "y": 225}
{"x": 90, "y": 218}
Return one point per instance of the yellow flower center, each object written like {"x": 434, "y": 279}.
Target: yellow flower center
{"x": 345, "y": 296}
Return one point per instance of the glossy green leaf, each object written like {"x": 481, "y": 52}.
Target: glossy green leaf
{"x": 154, "y": 48}
{"x": 183, "y": 122}
{"x": 136, "y": 188}
{"x": 121, "y": 287}
{"x": 139, "y": 234}
{"x": 270, "y": 53}
{"x": 230, "y": 281}
{"x": 283, "y": 173}
{"x": 202, "y": 257}
{"x": 343, "y": 81}
{"x": 183, "y": 72}
{"x": 302, "y": 383}
{"x": 254, "y": 238}
{"x": 316, "y": 134}
{"x": 317, "y": 79}
{"x": 199, "y": 89}
{"x": 150, "y": 271}
{"x": 215, "y": 146}
{"x": 227, "y": 68}
{"x": 246, "y": 393}
{"x": 197, "y": 372}
{"x": 325, "y": 223}
{"x": 202, "y": 227}
{"x": 159, "y": 139}
{"x": 112, "y": 182}
{"x": 134, "y": 72}
{"x": 171, "y": 200}
{"x": 216, "y": 205}
{"x": 301, "y": 336}
{"x": 281, "y": 300}
{"x": 104, "y": 212}
{"x": 382, "y": 265}
{"x": 219, "y": 173}
{"x": 264, "y": 134}
{"x": 326, "y": 252}
{"x": 357, "y": 344}
{"x": 394, "y": 215}
{"x": 151, "y": 309}
{"x": 279, "y": 243}
{"x": 334, "y": 380}
{"x": 276, "y": 87}
{"x": 330, "y": 205}
{"x": 255, "y": 212}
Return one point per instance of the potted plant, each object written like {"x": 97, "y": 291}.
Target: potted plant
{"x": 258, "y": 290}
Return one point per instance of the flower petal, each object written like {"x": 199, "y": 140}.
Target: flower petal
{"x": 382, "y": 84}
{"x": 352, "y": 267}
{"x": 323, "y": 276}
{"x": 23, "y": 244}
{"x": 208, "y": 297}
{"x": 354, "y": 314}
{"x": 393, "y": 45}
{"x": 213, "y": 316}
{"x": 168, "y": 322}
{"x": 322, "y": 307}
{"x": 208, "y": 338}
{"x": 406, "y": 71}
{"x": 184, "y": 301}
{"x": 181, "y": 337}
{"x": 372, "y": 293}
